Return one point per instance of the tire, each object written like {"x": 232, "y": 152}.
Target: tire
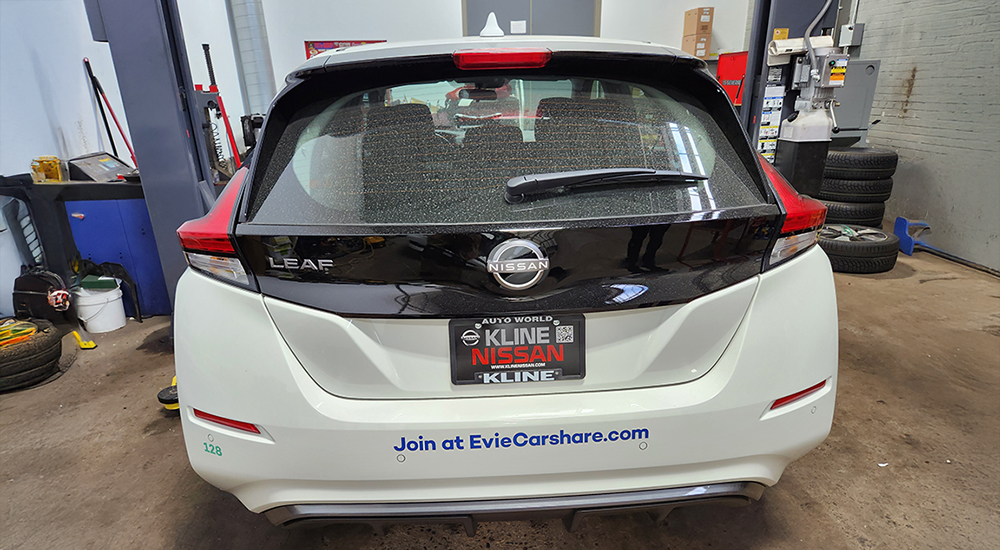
{"x": 841, "y": 264}
{"x": 26, "y": 363}
{"x": 834, "y": 189}
{"x": 858, "y": 249}
{"x": 854, "y": 213}
{"x": 860, "y": 163}
{"x": 29, "y": 377}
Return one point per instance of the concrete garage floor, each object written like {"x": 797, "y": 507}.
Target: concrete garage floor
{"x": 89, "y": 460}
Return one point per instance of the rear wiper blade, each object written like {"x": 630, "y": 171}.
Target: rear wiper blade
{"x": 533, "y": 184}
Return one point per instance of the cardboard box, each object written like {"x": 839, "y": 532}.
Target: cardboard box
{"x": 698, "y": 21}
{"x": 697, "y": 45}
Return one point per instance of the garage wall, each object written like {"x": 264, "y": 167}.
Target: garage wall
{"x": 937, "y": 100}
{"x": 662, "y": 21}
{"x": 46, "y": 103}
{"x": 289, "y": 24}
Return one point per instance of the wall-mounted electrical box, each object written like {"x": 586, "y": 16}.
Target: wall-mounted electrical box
{"x": 850, "y": 35}
{"x": 834, "y": 70}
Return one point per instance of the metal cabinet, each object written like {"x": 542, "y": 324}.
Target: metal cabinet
{"x": 120, "y": 231}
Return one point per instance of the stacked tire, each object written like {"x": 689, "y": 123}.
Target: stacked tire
{"x": 28, "y": 362}
{"x": 858, "y": 249}
{"x": 856, "y": 183}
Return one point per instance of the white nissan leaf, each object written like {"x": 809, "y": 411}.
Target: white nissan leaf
{"x": 502, "y": 278}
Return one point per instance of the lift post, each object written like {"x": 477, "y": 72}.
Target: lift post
{"x": 154, "y": 77}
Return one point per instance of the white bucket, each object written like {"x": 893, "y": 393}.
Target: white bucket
{"x": 100, "y": 310}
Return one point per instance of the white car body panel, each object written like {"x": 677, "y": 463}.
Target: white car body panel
{"x": 405, "y": 358}
{"x": 316, "y": 447}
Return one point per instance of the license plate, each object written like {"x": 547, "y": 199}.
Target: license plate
{"x": 518, "y": 348}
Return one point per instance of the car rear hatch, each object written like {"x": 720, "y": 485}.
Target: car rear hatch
{"x": 505, "y": 221}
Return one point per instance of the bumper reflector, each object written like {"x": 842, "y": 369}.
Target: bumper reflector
{"x": 798, "y": 395}
{"x": 235, "y": 424}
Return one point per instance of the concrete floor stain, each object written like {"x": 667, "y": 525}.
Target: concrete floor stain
{"x": 159, "y": 342}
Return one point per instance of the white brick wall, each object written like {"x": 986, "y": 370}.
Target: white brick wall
{"x": 938, "y": 99}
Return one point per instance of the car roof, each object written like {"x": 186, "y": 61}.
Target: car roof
{"x": 390, "y": 50}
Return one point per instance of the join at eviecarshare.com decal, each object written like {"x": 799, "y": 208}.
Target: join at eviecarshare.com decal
{"x": 520, "y": 439}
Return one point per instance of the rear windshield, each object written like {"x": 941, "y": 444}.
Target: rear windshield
{"x": 442, "y": 152}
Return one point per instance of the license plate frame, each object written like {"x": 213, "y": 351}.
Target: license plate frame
{"x": 551, "y": 349}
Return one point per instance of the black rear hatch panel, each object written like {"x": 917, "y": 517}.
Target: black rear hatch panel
{"x": 444, "y": 274}
{"x": 604, "y": 262}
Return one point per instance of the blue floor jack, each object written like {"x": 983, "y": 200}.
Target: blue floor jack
{"x": 909, "y": 242}
{"x": 908, "y": 233}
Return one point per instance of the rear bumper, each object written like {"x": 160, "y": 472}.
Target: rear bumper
{"x": 319, "y": 449}
{"x": 571, "y": 509}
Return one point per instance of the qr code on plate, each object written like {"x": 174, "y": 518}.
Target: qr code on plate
{"x": 564, "y": 334}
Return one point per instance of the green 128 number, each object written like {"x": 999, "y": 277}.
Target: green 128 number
{"x": 209, "y": 448}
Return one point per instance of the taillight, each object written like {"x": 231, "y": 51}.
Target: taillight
{"x": 502, "y": 58}
{"x": 804, "y": 218}
{"x": 206, "y": 241}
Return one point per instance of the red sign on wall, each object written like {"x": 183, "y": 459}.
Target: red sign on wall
{"x": 316, "y": 47}
{"x": 731, "y": 73}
